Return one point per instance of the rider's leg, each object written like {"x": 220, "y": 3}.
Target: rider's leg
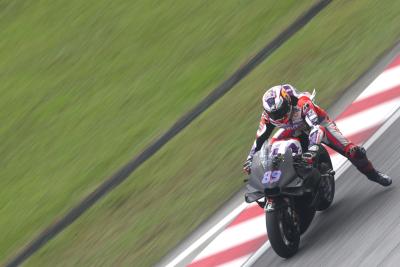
{"x": 356, "y": 154}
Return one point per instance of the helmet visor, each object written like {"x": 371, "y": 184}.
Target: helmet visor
{"x": 281, "y": 112}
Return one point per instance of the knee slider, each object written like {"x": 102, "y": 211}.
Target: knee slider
{"x": 358, "y": 156}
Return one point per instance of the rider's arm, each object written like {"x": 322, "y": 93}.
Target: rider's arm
{"x": 264, "y": 131}
{"x": 313, "y": 115}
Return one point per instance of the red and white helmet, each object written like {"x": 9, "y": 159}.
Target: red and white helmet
{"x": 277, "y": 104}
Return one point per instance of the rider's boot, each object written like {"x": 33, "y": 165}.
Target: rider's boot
{"x": 380, "y": 178}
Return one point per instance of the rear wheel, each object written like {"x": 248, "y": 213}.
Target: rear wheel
{"x": 326, "y": 192}
{"x": 327, "y": 184}
{"x": 283, "y": 231}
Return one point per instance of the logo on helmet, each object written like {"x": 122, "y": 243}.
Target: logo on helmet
{"x": 271, "y": 103}
{"x": 284, "y": 94}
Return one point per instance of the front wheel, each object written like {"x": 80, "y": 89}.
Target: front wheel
{"x": 283, "y": 231}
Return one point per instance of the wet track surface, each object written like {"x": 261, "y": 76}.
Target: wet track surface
{"x": 362, "y": 227}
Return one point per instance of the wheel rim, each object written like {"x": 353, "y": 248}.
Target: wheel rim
{"x": 327, "y": 189}
{"x": 287, "y": 229}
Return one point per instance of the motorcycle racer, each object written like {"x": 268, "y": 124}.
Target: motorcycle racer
{"x": 298, "y": 116}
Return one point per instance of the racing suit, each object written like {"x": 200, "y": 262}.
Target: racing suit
{"x": 312, "y": 125}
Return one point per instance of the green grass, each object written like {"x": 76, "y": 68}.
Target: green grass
{"x": 198, "y": 170}
{"x": 86, "y": 85}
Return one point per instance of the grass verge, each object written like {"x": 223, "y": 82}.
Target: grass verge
{"x": 197, "y": 171}
{"x": 87, "y": 84}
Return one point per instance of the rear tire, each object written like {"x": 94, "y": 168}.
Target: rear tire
{"x": 326, "y": 189}
{"x": 306, "y": 215}
{"x": 283, "y": 234}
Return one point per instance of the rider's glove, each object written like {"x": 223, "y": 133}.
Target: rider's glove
{"x": 311, "y": 156}
{"x": 247, "y": 166}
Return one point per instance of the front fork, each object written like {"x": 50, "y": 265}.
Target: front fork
{"x": 270, "y": 204}
{"x": 273, "y": 204}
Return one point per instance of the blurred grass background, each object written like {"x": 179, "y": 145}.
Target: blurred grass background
{"x": 86, "y": 85}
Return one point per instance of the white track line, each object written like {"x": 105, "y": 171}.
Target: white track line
{"x": 235, "y": 262}
{"x": 215, "y": 229}
{"x": 233, "y": 236}
{"x": 250, "y": 261}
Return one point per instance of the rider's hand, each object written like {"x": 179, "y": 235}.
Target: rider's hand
{"x": 247, "y": 166}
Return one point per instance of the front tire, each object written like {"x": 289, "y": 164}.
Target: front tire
{"x": 283, "y": 231}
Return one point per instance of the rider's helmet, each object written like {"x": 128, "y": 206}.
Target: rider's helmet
{"x": 277, "y": 104}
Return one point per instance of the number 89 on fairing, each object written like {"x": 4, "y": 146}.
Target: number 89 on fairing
{"x": 271, "y": 177}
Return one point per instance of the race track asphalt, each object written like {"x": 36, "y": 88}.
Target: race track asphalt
{"x": 362, "y": 227}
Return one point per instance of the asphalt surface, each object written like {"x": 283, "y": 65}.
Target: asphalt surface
{"x": 362, "y": 227}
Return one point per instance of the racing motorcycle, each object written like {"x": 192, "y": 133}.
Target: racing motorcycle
{"x": 290, "y": 191}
